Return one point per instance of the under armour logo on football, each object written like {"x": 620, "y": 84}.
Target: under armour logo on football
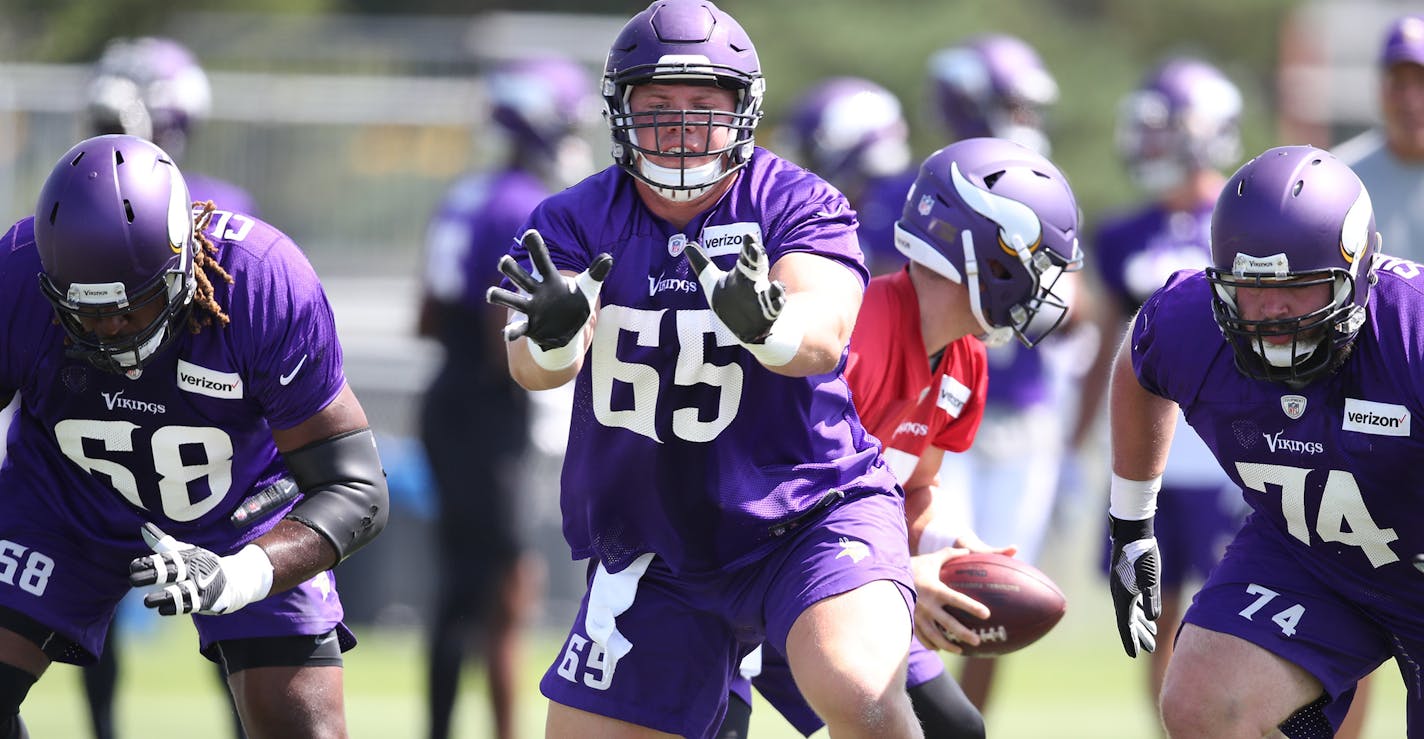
{"x": 856, "y": 550}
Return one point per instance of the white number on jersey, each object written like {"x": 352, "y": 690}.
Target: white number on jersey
{"x": 166, "y": 445}
{"x": 242, "y": 225}
{"x": 598, "y": 672}
{"x": 690, "y": 369}
{"x": 34, "y": 577}
{"x": 1286, "y": 619}
{"x": 1343, "y": 517}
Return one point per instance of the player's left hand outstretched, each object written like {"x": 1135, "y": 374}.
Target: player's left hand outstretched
{"x": 1136, "y": 584}
{"x": 746, "y": 299}
{"x": 183, "y": 578}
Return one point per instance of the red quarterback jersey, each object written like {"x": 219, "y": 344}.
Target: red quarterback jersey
{"x": 901, "y": 400}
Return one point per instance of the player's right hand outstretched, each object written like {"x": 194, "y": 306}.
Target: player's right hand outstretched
{"x": 1136, "y": 584}
{"x": 556, "y": 306}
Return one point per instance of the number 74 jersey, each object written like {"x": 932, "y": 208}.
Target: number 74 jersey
{"x": 1337, "y": 466}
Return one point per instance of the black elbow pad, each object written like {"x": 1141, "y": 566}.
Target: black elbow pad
{"x": 345, "y": 498}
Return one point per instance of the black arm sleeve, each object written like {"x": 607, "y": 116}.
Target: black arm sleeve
{"x": 344, "y": 488}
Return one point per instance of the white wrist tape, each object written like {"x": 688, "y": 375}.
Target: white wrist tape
{"x": 781, "y": 345}
{"x": 1133, "y": 500}
{"x": 559, "y": 358}
{"x": 938, "y": 534}
{"x": 249, "y": 577}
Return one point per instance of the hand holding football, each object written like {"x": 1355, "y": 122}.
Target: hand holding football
{"x": 1024, "y": 604}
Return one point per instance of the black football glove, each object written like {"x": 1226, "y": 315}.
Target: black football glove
{"x": 746, "y": 300}
{"x": 556, "y": 307}
{"x": 1135, "y": 581}
{"x": 182, "y": 578}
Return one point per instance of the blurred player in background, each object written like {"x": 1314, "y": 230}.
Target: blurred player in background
{"x": 853, "y": 133}
{"x": 178, "y": 371}
{"x": 1306, "y": 405}
{"x": 996, "y": 85}
{"x": 1390, "y": 158}
{"x": 1176, "y": 132}
{"x": 488, "y": 584}
{"x": 918, "y": 373}
{"x": 152, "y": 88}
{"x": 717, "y": 475}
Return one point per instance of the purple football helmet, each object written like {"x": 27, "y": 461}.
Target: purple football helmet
{"x": 1183, "y": 117}
{"x": 148, "y": 87}
{"x": 682, "y": 42}
{"x": 114, "y": 231}
{"x": 848, "y": 130}
{"x": 992, "y": 85}
{"x": 543, "y": 103}
{"x": 1293, "y": 216}
{"x": 999, "y": 218}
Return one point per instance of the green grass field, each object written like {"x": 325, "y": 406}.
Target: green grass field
{"x": 1076, "y": 683}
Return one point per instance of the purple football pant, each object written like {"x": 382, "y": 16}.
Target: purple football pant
{"x": 1340, "y": 630}
{"x": 660, "y": 650}
{"x": 71, "y": 580}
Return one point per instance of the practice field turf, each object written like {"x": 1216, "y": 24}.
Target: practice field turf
{"x": 1075, "y": 683}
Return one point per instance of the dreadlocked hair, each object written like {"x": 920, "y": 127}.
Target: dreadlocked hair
{"x": 206, "y": 309}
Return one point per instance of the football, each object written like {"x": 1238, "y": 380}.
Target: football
{"x": 1024, "y": 604}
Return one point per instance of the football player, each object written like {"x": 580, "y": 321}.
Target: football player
{"x": 151, "y": 87}
{"x": 1390, "y": 157}
{"x": 989, "y": 227}
{"x": 487, "y": 584}
{"x": 185, "y": 427}
{"x": 852, "y": 132}
{"x": 700, "y": 294}
{"x": 1289, "y": 357}
{"x": 996, "y": 85}
{"x": 1176, "y": 132}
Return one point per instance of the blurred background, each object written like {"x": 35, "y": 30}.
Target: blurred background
{"x": 347, "y": 119}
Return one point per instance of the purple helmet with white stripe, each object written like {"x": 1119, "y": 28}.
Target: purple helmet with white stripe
{"x": 992, "y": 85}
{"x": 847, "y": 130}
{"x": 682, "y": 42}
{"x": 114, "y": 232}
{"x": 1183, "y": 117}
{"x": 1000, "y": 219}
{"x": 543, "y": 104}
{"x": 1291, "y": 217}
{"x": 149, "y": 87}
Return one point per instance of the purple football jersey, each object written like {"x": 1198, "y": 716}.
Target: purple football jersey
{"x": 682, "y": 444}
{"x": 184, "y": 443}
{"x": 472, "y": 229}
{"x": 1135, "y": 253}
{"x": 225, "y": 195}
{"x": 877, "y": 207}
{"x": 1329, "y": 465}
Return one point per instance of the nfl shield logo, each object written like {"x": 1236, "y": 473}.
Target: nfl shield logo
{"x": 676, "y": 244}
{"x": 926, "y": 203}
{"x": 1293, "y": 405}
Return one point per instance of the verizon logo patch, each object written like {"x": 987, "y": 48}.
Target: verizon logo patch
{"x": 720, "y": 241}
{"x": 952, "y": 396}
{"x": 203, "y": 381}
{"x": 1380, "y": 419}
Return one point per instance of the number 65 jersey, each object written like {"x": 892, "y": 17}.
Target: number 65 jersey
{"x": 184, "y": 443}
{"x": 681, "y": 443}
{"x": 1337, "y": 466}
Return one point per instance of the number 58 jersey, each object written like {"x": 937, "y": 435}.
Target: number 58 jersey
{"x": 1334, "y": 466}
{"x": 681, "y": 443}
{"x": 184, "y": 443}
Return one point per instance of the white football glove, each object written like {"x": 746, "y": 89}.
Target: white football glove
{"x": 182, "y": 578}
